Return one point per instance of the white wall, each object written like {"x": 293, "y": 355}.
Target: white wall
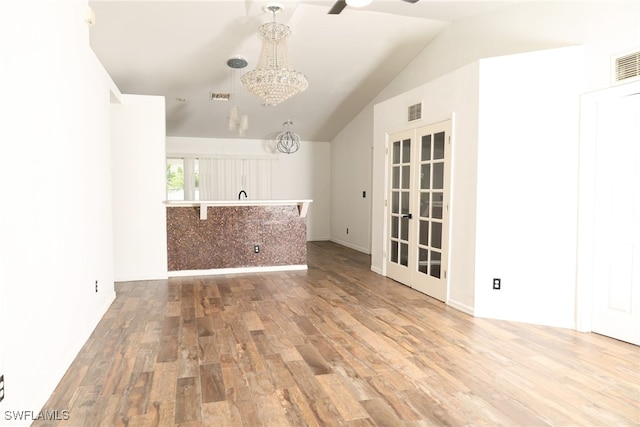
{"x": 452, "y": 96}
{"x": 301, "y": 175}
{"x": 514, "y": 181}
{"x": 527, "y": 182}
{"x": 139, "y": 188}
{"x": 55, "y": 218}
{"x": 351, "y": 159}
{"x": 603, "y": 27}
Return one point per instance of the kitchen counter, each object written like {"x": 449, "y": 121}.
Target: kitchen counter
{"x": 235, "y": 236}
{"x": 303, "y": 205}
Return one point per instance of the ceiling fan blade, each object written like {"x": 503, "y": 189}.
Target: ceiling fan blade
{"x": 411, "y": 1}
{"x": 337, "y": 7}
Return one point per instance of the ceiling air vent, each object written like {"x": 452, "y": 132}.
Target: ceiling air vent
{"x": 217, "y": 96}
{"x": 627, "y": 66}
{"x": 414, "y": 112}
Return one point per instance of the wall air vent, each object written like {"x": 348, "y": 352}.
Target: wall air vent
{"x": 217, "y": 96}
{"x": 626, "y": 66}
{"x": 414, "y": 112}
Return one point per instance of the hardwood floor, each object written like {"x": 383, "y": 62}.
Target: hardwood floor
{"x": 337, "y": 345}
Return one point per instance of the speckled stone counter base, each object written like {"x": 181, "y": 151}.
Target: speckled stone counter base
{"x": 226, "y": 239}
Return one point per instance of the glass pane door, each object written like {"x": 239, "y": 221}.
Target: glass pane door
{"x": 432, "y": 211}
{"x": 400, "y": 201}
{"x": 430, "y": 220}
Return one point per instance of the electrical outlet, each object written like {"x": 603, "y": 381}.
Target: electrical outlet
{"x": 364, "y": 194}
{"x": 256, "y": 249}
{"x": 496, "y": 284}
{"x": 347, "y": 231}
{"x": 96, "y": 286}
{"x": 1, "y": 387}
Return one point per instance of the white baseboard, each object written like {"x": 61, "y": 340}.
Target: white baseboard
{"x": 238, "y": 270}
{"x": 462, "y": 307}
{"x": 350, "y": 245}
{"x": 377, "y": 270}
{"x": 142, "y": 278}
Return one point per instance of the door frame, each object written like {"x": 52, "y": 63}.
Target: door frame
{"x": 586, "y": 197}
{"x": 387, "y": 182}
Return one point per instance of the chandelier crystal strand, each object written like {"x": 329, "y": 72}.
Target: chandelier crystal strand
{"x": 273, "y": 79}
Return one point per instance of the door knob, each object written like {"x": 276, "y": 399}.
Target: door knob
{"x": 407, "y": 216}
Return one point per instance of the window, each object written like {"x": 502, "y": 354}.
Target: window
{"x": 182, "y": 179}
{"x": 218, "y": 178}
{"x": 175, "y": 179}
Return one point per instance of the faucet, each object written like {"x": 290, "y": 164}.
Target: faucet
{"x": 241, "y": 193}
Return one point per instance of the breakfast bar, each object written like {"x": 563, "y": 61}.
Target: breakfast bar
{"x": 235, "y": 236}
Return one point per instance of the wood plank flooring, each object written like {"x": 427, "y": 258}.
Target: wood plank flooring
{"x": 337, "y": 345}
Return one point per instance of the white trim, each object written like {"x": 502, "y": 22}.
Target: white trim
{"x": 350, "y": 245}
{"x": 238, "y": 270}
{"x": 142, "y": 278}
{"x": 222, "y": 156}
{"x": 461, "y": 307}
{"x": 377, "y": 270}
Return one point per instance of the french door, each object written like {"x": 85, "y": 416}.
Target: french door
{"x": 417, "y": 208}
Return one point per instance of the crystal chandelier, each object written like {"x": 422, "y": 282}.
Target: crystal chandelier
{"x": 273, "y": 79}
{"x": 286, "y": 141}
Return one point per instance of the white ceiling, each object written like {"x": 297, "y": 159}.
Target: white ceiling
{"x": 179, "y": 49}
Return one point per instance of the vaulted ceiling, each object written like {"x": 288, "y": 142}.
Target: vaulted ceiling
{"x": 179, "y": 50}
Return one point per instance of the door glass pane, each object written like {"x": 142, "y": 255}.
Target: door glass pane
{"x": 422, "y": 260}
{"x": 405, "y": 202}
{"x": 424, "y": 205}
{"x": 395, "y": 202}
{"x": 405, "y": 177}
{"x": 406, "y": 151}
{"x": 395, "y": 179}
{"x": 426, "y": 147}
{"x": 396, "y": 152}
{"x": 424, "y": 233}
{"x": 404, "y": 228}
{"x": 436, "y": 235}
{"x": 434, "y": 265}
{"x": 438, "y": 175}
{"x": 425, "y": 177}
{"x": 436, "y": 209}
{"x": 394, "y": 251}
{"x": 394, "y": 226}
{"x": 438, "y": 146}
{"x": 404, "y": 254}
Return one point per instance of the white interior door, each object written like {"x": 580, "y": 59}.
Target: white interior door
{"x": 431, "y": 204}
{"x": 401, "y": 236}
{"x": 616, "y": 269}
{"x": 418, "y": 214}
